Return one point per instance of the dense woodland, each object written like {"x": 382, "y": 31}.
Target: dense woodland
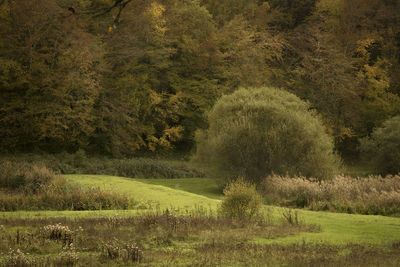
{"x": 127, "y": 77}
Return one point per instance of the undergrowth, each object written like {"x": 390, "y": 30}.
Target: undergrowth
{"x": 371, "y": 195}
{"x": 35, "y": 187}
{"x": 168, "y": 239}
{"x": 80, "y": 163}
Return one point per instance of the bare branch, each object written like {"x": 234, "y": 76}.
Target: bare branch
{"x": 122, "y": 6}
{"x": 107, "y": 10}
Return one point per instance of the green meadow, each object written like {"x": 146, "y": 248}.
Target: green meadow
{"x": 194, "y": 193}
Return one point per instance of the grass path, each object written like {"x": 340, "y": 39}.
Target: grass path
{"x": 337, "y": 228}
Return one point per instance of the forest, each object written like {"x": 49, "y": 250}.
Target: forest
{"x": 199, "y": 133}
{"x": 127, "y": 78}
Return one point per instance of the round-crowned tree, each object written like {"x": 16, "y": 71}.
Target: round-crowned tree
{"x": 382, "y": 148}
{"x": 259, "y": 131}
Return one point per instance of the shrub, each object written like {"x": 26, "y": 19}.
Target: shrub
{"x": 19, "y": 259}
{"x": 58, "y": 232}
{"x": 68, "y": 257}
{"x": 241, "y": 200}
{"x": 382, "y": 148}
{"x": 32, "y": 186}
{"x": 371, "y": 195}
{"x": 23, "y": 175}
{"x": 150, "y": 168}
{"x": 126, "y": 251}
{"x": 256, "y": 132}
{"x": 79, "y": 163}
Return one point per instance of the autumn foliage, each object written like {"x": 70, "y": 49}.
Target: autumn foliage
{"x": 68, "y": 83}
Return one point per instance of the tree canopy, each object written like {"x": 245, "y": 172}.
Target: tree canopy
{"x": 123, "y": 77}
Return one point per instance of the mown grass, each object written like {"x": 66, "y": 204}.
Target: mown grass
{"x": 201, "y": 186}
{"x": 151, "y": 195}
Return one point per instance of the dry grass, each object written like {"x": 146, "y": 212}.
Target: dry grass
{"x": 118, "y": 240}
{"x": 35, "y": 187}
{"x": 165, "y": 239}
{"x": 371, "y": 195}
{"x": 79, "y": 162}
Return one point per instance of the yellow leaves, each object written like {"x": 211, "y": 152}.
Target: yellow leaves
{"x": 376, "y": 78}
{"x": 155, "y": 13}
{"x": 362, "y": 47}
{"x": 173, "y": 134}
{"x": 165, "y": 109}
{"x": 339, "y": 131}
{"x": 170, "y": 135}
{"x": 265, "y": 6}
{"x": 156, "y": 10}
{"x": 155, "y": 98}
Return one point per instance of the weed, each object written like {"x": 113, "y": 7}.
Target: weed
{"x": 371, "y": 195}
{"x": 19, "y": 259}
{"x": 68, "y": 256}
{"x": 80, "y": 163}
{"x": 58, "y": 232}
{"x": 115, "y": 249}
{"x": 291, "y": 217}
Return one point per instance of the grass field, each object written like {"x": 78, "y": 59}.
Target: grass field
{"x": 189, "y": 194}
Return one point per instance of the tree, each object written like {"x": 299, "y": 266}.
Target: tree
{"x": 48, "y": 100}
{"x": 160, "y": 78}
{"x": 256, "y": 132}
{"x": 382, "y": 148}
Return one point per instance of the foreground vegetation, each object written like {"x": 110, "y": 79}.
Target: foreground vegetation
{"x": 165, "y": 239}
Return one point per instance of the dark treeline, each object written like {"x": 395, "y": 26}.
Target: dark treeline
{"x": 123, "y": 77}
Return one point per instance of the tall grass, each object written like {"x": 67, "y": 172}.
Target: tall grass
{"x": 27, "y": 176}
{"x": 165, "y": 239}
{"x": 35, "y": 187}
{"x": 79, "y": 162}
{"x": 371, "y": 195}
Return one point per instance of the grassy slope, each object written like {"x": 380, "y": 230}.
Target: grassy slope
{"x": 154, "y": 194}
{"x": 336, "y": 228}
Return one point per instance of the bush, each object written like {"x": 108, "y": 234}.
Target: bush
{"x": 150, "y": 168}
{"x": 116, "y": 249}
{"x": 382, "y": 149}
{"x": 256, "y": 132}
{"x": 55, "y": 198}
{"x": 371, "y": 195}
{"x": 24, "y": 176}
{"x": 32, "y": 186}
{"x": 241, "y": 200}
{"x": 79, "y": 163}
